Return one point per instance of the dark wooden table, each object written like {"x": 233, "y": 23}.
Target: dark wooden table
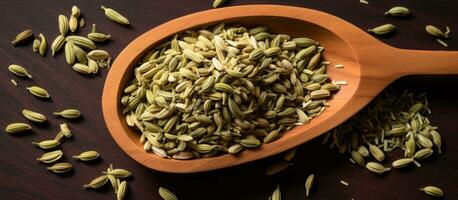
{"x": 22, "y": 177}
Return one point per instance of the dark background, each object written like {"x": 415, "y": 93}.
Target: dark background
{"x": 22, "y": 177}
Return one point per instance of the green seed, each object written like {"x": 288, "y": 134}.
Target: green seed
{"x": 38, "y": 92}
{"x": 166, "y": 194}
{"x": 17, "y": 127}
{"x": 68, "y": 113}
{"x": 19, "y": 71}
{"x": 115, "y": 16}
{"x": 433, "y": 191}
{"x": 87, "y": 156}
{"x": 383, "y": 29}
{"x": 22, "y": 37}
{"x": 60, "y": 168}
{"x": 33, "y": 116}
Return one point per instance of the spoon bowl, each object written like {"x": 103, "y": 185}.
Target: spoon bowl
{"x": 369, "y": 66}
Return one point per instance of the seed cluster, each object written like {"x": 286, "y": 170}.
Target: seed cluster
{"x": 225, "y": 88}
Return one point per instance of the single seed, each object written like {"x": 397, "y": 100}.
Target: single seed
{"x": 51, "y": 157}
{"x": 309, "y": 184}
{"x": 19, "y": 71}
{"x": 433, "y": 191}
{"x": 98, "y": 54}
{"x": 376, "y": 152}
{"x": 43, "y": 45}
{"x": 97, "y": 182}
{"x": 358, "y": 158}
{"x": 115, "y": 16}
{"x": 36, "y": 45}
{"x": 59, "y": 168}
{"x": 57, "y": 44}
{"x": 63, "y": 24}
{"x": 38, "y": 92}
{"x": 376, "y": 168}
{"x": 403, "y": 162}
{"x": 398, "y": 11}
{"x": 166, "y": 194}
{"x": 34, "y": 116}
{"x": 17, "y": 127}
{"x": 119, "y": 173}
{"x": 218, "y": 3}
{"x": 98, "y": 37}
{"x": 434, "y": 31}
{"x": 122, "y": 190}
{"x": 423, "y": 154}
{"x": 68, "y": 113}
{"x": 22, "y": 37}
{"x": 382, "y": 29}
{"x": 47, "y": 144}
{"x": 276, "y": 195}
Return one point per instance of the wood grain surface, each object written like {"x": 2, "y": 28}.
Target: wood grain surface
{"x": 22, "y": 177}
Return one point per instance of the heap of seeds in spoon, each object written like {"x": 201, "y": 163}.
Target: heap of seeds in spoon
{"x": 223, "y": 89}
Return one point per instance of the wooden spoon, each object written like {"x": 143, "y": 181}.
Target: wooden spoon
{"x": 370, "y": 66}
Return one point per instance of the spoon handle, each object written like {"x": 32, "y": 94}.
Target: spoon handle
{"x": 396, "y": 63}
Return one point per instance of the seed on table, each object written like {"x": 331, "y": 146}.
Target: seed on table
{"x": 97, "y": 182}
{"x": 433, "y": 191}
{"x": 47, "y": 144}
{"x": 276, "y": 195}
{"x": 166, "y": 194}
{"x": 59, "y": 168}
{"x": 382, "y": 29}
{"x": 218, "y": 3}
{"x": 122, "y": 190}
{"x": 69, "y": 113}
{"x": 403, "y": 162}
{"x": 33, "y": 116}
{"x": 309, "y": 184}
{"x": 376, "y": 168}
{"x": 22, "y": 37}
{"x": 115, "y": 16}
{"x": 38, "y": 92}
{"x": 19, "y": 71}
{"x": 51, "y": 157}
{"x": 398, "y": 11}
{"x": 57, "y": 44}
{"x": 17, "y": 127}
